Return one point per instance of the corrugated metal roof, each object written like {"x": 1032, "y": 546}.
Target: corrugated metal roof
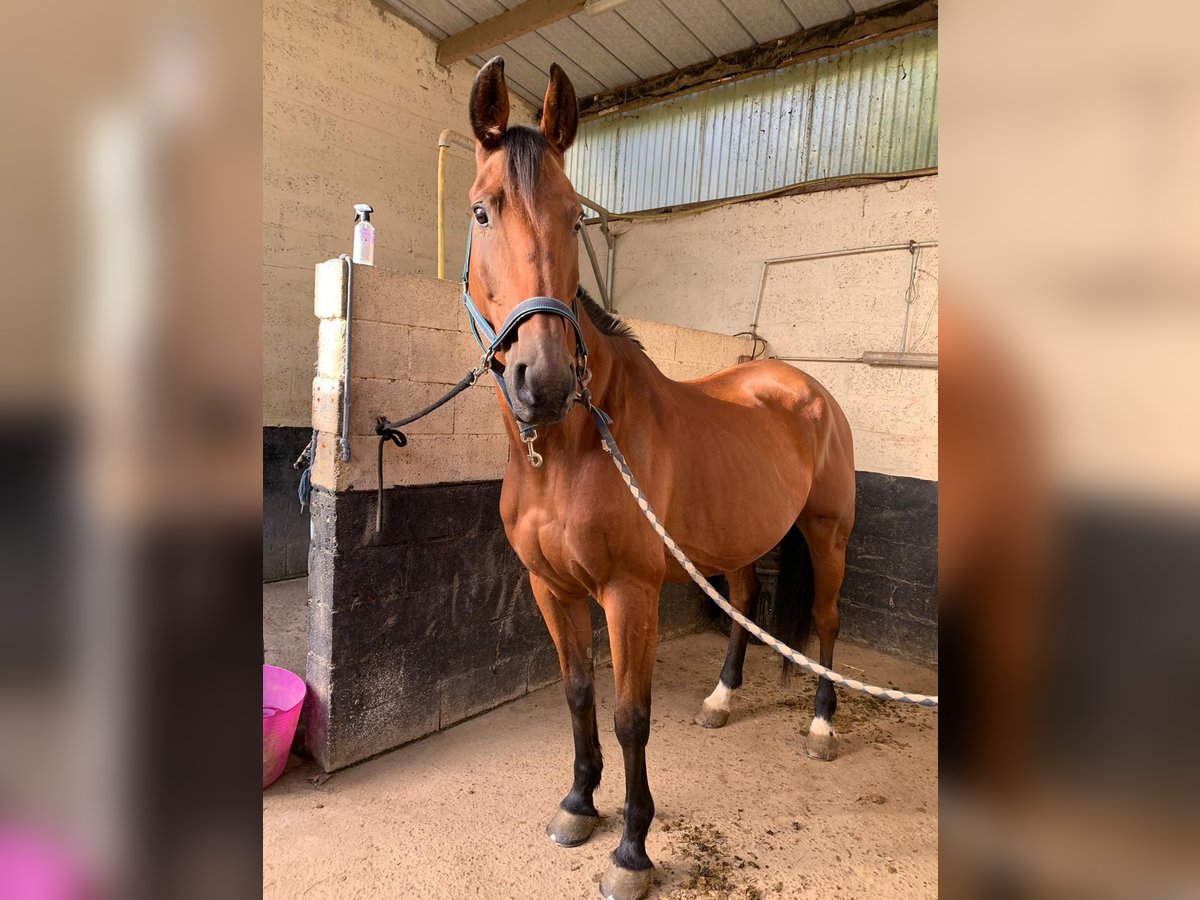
{"x": 637, "y": 40}
{"x": 868, "y": 110}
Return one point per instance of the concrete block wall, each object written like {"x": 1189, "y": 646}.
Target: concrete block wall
{"x": 410, "y": 342}
{"x": 684, "y": 353}
{"x": 431, "y": 619}
{"x": 889, "y": 596}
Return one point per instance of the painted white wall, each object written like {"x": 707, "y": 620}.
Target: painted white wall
{"x": 353, "y": 103}
{"x": 703, "y": 271}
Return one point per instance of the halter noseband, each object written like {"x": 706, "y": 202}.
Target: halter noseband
{"x": 490, "y": 341}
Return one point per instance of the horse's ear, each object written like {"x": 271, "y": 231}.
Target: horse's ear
{"x": 560, "y": 111}
{"x": 489, "y": 103}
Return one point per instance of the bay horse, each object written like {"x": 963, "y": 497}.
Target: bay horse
{"x": 732, "y": 463}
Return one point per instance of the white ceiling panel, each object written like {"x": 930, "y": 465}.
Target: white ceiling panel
{"x": 639, "y": 39}
{"x": 764, "y": 19}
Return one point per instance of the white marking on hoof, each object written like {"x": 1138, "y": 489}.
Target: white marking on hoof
{"x": 719, "y": 698}
{"x": 714, "y": 711}
{"x": 820, "y": 728}
{"x": 822, "y": 741}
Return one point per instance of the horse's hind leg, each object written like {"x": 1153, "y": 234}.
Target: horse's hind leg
{"x": 571, "y": 628}
{"x": 826, "y": 538}
{"x": 743, "y": 595}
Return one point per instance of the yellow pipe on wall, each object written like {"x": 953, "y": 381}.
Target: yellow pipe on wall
{"x": 441, "y": 216}
{"x": 445, "y": 139}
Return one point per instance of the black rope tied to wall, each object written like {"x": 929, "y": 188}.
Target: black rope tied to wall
{"x": 390, "y": 431}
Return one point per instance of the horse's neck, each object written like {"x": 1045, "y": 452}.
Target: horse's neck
{"x": 623, "y": 378}
{"x": 625, "y": 375}
{"x": 625, "y": 381}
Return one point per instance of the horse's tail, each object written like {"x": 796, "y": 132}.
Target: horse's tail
{"x": 794, "y": 593}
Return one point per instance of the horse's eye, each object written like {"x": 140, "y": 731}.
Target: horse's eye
{"x": 481, "y": 215}
{"x": 579, "y": 224}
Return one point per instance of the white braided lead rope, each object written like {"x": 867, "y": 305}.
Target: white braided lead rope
{"x": 787, "y": 652}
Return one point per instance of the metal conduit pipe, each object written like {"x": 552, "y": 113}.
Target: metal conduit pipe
{"x": 344, "y": 437}
{"x": 591, "y": 252}
{"x": 611, "y": 240}
{"x": 826, "y": 254}
{"x": 876, "y": 358}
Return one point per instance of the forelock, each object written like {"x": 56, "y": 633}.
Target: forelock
{"x": 525, "y": 148}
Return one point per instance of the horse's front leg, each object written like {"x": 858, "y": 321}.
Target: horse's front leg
{"x": 632, "y": 612}
{"x": 571, "y": 628}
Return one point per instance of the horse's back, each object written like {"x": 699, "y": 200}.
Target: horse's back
{"x": 800, "y": 403}
{"x": 771, "y": 384}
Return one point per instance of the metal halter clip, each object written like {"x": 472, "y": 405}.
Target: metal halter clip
{"x": 583, "y": 376}
{"x": 485, "y": 363}
{"x": 535, "y": 458}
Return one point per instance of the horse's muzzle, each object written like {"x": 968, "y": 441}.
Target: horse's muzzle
{"x": 541, "y": 393}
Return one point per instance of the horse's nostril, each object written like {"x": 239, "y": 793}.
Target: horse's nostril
{"x": 521, "y": 383}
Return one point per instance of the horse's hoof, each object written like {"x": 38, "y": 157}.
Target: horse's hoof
{"x": 822, "y": 741}
{"x": 712, "y": 716}
{"x": 570, "y": 830}
{"x": 626, "y": 884}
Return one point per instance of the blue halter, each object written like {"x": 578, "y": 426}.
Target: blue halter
{"x": 490, "y": 341}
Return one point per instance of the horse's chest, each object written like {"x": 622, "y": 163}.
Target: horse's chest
{"x": 553, "y": 540}
{"x": 568, "y": 544}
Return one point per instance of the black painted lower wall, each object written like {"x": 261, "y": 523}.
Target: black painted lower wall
{"x": 429, "y": 621}
{"x": 285, "y": 527}
{"x": 889, "y": 596}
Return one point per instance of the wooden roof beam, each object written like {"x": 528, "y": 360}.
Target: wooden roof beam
{"x": 528, "y": 16}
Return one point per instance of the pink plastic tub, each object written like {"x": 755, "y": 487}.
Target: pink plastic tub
{"x": 283, "y": 694}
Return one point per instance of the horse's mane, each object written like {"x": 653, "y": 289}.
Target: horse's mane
{"x": 607, "y": 322}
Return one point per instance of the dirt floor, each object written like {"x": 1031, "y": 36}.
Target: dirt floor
{"x": 742, "y": 813}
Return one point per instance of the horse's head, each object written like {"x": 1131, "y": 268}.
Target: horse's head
{"x": 525, "y": 217}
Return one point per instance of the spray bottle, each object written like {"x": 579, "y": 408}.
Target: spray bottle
{"x": 364, "y": 236}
